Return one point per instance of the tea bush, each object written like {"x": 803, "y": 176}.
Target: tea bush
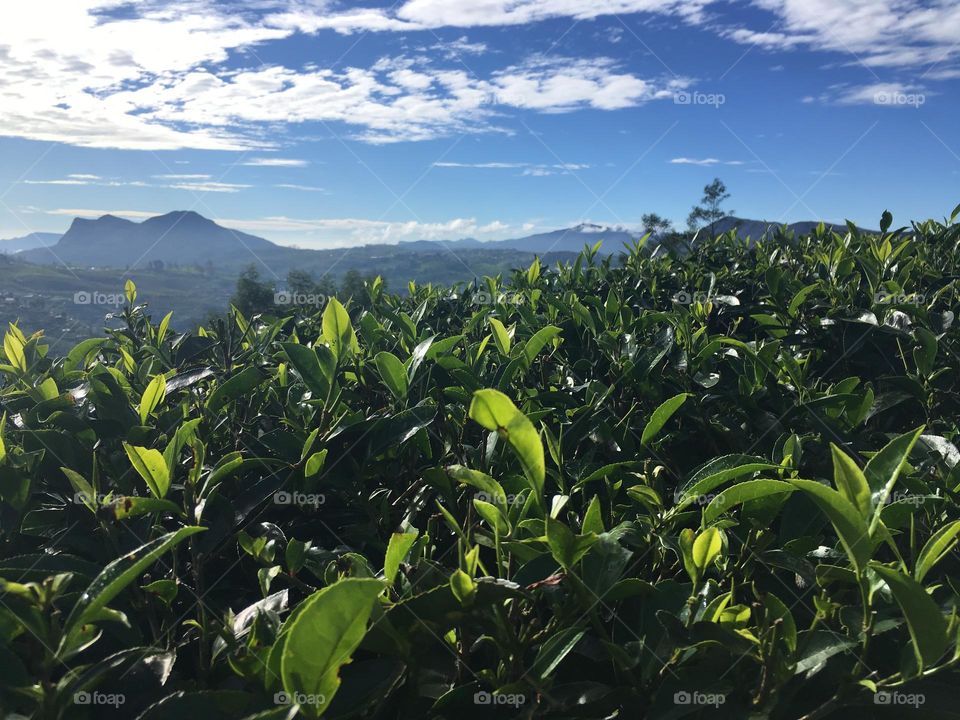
{"x": 717, "y": 485}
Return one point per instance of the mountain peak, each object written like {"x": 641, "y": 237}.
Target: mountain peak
{"x": 590, "y": 228}
{"x": 180, "y": 217}
{"x": 182, "y": 236}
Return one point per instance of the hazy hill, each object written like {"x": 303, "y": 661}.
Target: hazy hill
{"x": 763, "y": 229}
{"x": 181, "y": 237}
{"x": 185, "y": 238}
{"x": 565, "y": 240}
{"x": 29, "y": 242}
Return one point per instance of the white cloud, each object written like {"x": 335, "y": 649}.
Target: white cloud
{"x": 305, "y": 188}
{"x": 430, "y": 14}
{"x": 153, "y": 75}
{"x": 192, "y": 183}
{"x": 878, "y": 33}
{"x": 275, "y": 162}
{"x": 322, "y": 233}
{"x": 529, "y": 169}
{"x": 481, "y": 166}
{"x": 880, "y": 94}
{"x": 218, "y": 187}
{"x": 89, "y": 213}
{"x": 347, "y": 232}
{"x": 705, "y": 162}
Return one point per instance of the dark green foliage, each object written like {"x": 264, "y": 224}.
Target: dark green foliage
{"x": 723, "y": 485}
{"x": 710, "y": 209}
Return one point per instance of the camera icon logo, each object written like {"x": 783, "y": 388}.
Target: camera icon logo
{"x": 682, "y": 697}
{"x": 81, "y": 698}
{"x": 281, "y": 698}
{"x": 283, "y": 297}
{"x": 482, "y": 698}
{"x": 682, "y": 98}
{"x": 282, "y": 497}
{"x": 82, "y": 297}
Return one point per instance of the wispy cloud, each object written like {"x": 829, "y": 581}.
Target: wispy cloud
{"x": 91, "y": 213}
{"x": 874, "y": 33}
{"x": 305, "y": 188}
{"x": 705, "y": 162}
{"x": 217, "y": 187}
{"x": 275, "y": 162}
{"x": 880, "y": 94}
{"x": 528, "y": 169}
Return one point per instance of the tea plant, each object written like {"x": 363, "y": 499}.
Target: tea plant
{"x": 717, "y": 485}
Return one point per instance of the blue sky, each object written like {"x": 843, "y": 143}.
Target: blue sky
{"x": 324, "y": 124}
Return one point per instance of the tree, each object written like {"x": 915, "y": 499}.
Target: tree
{"x": 354, "y": 287}
{"x": 301, "y": 282}
{"x": 655, "y": 224}
{"x": 710, "y": 209}
{"x": 252, "y": 295}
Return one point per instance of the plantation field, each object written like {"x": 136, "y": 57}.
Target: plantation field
{"x": 717, "y": 486}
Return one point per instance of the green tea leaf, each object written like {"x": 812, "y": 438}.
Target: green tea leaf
{"x": 495, "y": 411}
{"x": 239, "y": 385}
{"x": 940, "y": 543}
{"x": 323, "y": 637}
{"x": 397, "y": 549}
{"x": 393, "y": 374}
{"x": 884, "y": 468}
{"x": 120, "y": 573}
{"x": 741, "y": 493}
{"x": 846, "y": 519}
{"x": 153, "y": 395}
{"x": 152, "y": 468}
{"x": 338, "y": 330}
{"x": 501, "y": 338}
{"x": 928, "y": 628}
{"x": 850, "y": 481}
{"x": 660, "y": 417}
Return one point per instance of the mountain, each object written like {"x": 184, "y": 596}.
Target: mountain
{"x": 28, "y": 242}
{"x": 755, "y": 230}
{"x": 568, "y": 240}
{"x": 181, "y": 237}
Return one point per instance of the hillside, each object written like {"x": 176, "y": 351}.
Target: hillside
{"x": 29, "y": 242}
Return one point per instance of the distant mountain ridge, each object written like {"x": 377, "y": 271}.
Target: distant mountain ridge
{"x": 762, "y": 229}
{"x": 187, "y": 238}
{"x": 29, "y": 242}
{"x": 183, "y": 237}
{"x": 615, "y": 239}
